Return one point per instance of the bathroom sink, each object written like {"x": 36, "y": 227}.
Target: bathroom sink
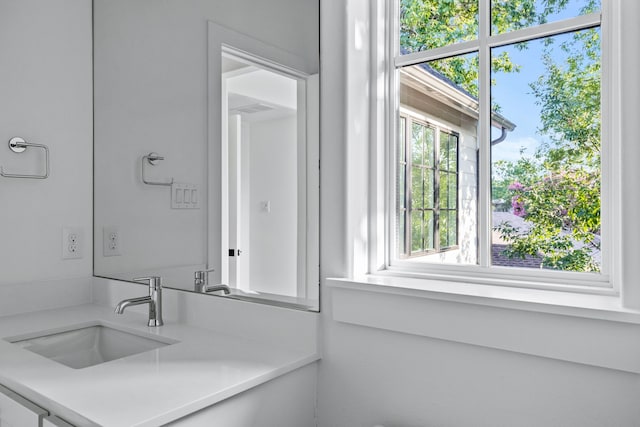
{"x": 84, "y": 346}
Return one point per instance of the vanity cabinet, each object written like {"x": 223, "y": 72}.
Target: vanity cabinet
{"x": 16, "y": 411}
{"x": 289, "y": 400}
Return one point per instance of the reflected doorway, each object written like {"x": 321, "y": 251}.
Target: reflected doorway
{"x": 264, "y": 184}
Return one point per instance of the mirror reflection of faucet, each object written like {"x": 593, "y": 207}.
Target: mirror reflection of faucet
{"x": 213, "y": 288}
{"x": 200, "y": 283}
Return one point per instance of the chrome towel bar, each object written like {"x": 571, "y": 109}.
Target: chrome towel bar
{"x": 152, "y": 158}
{"x": 18, "y": 145}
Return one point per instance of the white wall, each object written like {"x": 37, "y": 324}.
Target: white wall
{"x": 372, "y": 376}
{"x": 46, "y": 97}
{"x": 151, "y": 95}
{"x": 274, "y": 178}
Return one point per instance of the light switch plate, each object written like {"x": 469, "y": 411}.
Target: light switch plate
{"x": 185, "y": 196}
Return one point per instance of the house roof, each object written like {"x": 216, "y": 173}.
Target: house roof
{"x": 498, "y": 246}
{"x": 425, "y": 79}
{"x": 499, "y": 259}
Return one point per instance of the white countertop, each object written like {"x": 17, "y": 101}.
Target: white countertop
{"x": 146, "y": 389}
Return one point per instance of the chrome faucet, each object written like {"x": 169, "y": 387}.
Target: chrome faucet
{"x": 200, "y": 283}
{"x": 200, "y": 279}
{"x": 154, "y": 300}
{"x": 213, "y": 288}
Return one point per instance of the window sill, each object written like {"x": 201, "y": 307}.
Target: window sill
{"x": 591, "y": 330}
{"x": 602, "y": 307}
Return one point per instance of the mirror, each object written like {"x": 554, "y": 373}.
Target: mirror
{"x": 206, "y": 146}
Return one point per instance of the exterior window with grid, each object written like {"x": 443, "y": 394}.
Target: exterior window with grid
{"x": 427, "y": 203}
{"x": 497, "y": 112}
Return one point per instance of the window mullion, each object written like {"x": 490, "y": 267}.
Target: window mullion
{"x": 436, "y": 190}
{"x": 461, "y": 48}
{"x": 578, "y": 23}
{"x": 407, "y": 185}
{"x": 484, "y": 135}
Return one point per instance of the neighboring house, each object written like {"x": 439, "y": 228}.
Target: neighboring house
{"x": 437, "y": 166}
{"x": 498, "y": 245}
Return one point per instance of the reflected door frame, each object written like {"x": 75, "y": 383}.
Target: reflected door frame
{"x": 222, "y": 40}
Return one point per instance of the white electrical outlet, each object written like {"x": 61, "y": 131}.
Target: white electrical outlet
{"x": 111, "y": 242}
{"x": 72, "y": 242}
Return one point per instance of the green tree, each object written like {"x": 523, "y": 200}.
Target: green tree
{"x": 525, "y": 171}
{"x": 563, "y": 207}
{"x": 429, "y": 24}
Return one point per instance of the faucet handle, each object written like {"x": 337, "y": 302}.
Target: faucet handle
{"x": 155, "y": 282}
{"x": 201, "y": 274}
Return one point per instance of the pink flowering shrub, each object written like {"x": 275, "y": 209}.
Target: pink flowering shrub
{"x": 517, "y": 204}
{"x": 562, "y": 211}
{"x": 517, "y": 201}
{"x": 515, "y": 186}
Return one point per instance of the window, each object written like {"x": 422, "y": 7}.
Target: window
{"x": 427, "y": 188}
{"x": 497, "y": 138}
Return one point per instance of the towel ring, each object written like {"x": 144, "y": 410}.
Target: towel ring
{"x": 152, "y": 158}
{"x": 19, "y": 145}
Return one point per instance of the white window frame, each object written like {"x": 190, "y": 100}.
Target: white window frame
{"x": 385, "y": 108}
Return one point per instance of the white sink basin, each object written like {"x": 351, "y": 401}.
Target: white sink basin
{"x": 88, "y": 345}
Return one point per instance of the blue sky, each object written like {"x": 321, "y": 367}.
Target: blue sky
{"x": 513, "y": 94}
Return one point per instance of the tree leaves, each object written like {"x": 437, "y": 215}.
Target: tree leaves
{"x": 564, "y": 207}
